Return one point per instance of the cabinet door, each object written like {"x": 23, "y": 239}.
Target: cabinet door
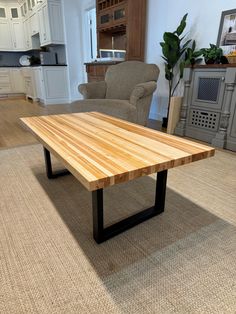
{"x": 17, "y": 81}
{"x": 5, "y": 35}
{"x": 51, "y": 24}
{"x": 119, "y": 14}
{"x": 27, "y": 37}
{"x": 55, "y": 23}
{"x": 34, "y": 24}
{"x": 208, "y": 89}
{"x": 18, "y": 39}
{"x": 39, "y": 83}
{"x": 55, "y": 82}
{"x": 44, "y": 29}
{"x": 104, "y": 19}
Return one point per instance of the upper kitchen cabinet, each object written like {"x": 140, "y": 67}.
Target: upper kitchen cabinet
{"x": 51, "y": 30}
{"x": 30, "y": 24}
{"x": 17, "y": 31}
{"x": 5, "y": 35}
{"x": 11, "y": 28}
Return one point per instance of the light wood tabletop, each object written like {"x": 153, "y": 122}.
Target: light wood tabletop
{"x": 100, "y": 150}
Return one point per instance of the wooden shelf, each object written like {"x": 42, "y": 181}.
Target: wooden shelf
{"x": 105, "y": 4}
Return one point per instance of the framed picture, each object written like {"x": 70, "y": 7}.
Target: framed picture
{"x": 227, "y": 31}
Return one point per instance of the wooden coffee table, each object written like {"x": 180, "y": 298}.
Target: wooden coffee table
{"x": 101, "y": 151}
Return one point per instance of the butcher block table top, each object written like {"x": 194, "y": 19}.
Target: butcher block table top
{"x": 100, "y": 150}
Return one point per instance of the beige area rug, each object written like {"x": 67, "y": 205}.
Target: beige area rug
{"x": 183, "y": 261}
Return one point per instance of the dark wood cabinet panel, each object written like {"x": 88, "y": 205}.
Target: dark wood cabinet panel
{"x": 121, "y": 25}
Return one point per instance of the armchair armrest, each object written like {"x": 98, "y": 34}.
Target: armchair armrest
{"x": 93, "y": 90}
{"x": 142, "y": 90}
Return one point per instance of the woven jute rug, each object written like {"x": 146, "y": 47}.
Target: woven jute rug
{"x": 183, "y": 261}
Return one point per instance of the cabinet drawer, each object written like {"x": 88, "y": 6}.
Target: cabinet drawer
{"x": 5, "y": 88}
{"x": 4, "y": 78}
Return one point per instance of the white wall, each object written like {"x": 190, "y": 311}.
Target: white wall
{"x": 74, "y": 25}
{"x": 165, "y": 15}
{"x": 74, "y": 50}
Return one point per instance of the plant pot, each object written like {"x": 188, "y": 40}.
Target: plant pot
{"x": 174, "y": 113}
{"x": 209, "y": 61}
{"x": 212, "y": 61}
{"x": 164, "y": 122}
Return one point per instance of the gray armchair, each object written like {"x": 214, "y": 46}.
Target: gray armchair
{"x": 126, "y": 92}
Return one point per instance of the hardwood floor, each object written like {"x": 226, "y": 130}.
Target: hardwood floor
{"x": 12, "y": 132}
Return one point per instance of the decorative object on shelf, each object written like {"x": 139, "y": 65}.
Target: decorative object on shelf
{"x": 34, "y": 60}
{"x": 24, "y": 60}
{"x": 232, "y": 56}
{"x": 227, "y": 31}
{"x": 212, "y": 55}
{"x": 177, "y": 55}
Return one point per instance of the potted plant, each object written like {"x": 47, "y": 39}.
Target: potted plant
{"x": 177, "y": 55}
{"x": 212, "y": 55}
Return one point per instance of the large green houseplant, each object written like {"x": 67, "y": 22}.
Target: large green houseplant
{"x": 177, "y": 55}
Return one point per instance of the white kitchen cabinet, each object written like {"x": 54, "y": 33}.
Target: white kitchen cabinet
{"x": 16, "y": 28}
{"x": 38, "y": 75}
{"x": 29, "y": 82}
{"x": 34, "y": 24}
{"x": 51, "y": 24}
{"x": 5, "y": 83}
{"x": 18, "y": 39}
{"x": 5, "y": 35}
{"x": 27, "y": 37}
{"x": 54, "y": 85}
{"x": 17, "y": 80}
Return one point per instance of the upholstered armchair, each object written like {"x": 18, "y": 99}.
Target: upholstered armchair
{"x": 126, "y": 92}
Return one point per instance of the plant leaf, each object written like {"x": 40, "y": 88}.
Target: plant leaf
{"x": 182, "y": 25}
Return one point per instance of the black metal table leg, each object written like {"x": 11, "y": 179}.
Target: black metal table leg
{"x": 102, "y": 234}
{"x": 52, "y": 174}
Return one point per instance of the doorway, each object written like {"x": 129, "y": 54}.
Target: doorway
{"x": 90, "y": 35}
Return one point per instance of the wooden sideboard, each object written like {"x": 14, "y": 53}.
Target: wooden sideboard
{"x": 96, "y": 70}
{"x": 208, "y": 111}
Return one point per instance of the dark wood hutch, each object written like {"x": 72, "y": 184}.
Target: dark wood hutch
{"x": 121, "y": 25}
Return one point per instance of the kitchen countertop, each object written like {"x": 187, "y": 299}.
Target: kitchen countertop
{"x": 35, "y": 65}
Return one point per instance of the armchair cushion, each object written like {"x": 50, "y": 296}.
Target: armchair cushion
{"x": 93, "y": 90}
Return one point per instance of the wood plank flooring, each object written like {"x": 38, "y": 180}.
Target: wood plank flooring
{"x": 11, "y": 110}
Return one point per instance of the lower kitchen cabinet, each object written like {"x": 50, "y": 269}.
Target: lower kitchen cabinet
{"x": 17, "y": 82}
{"x": 55, "y": 83}
{"x": 48, "y": 84}
{"x": 11, "y": 81}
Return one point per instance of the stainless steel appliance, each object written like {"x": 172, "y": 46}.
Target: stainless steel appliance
{"x": 47, "y": 58}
